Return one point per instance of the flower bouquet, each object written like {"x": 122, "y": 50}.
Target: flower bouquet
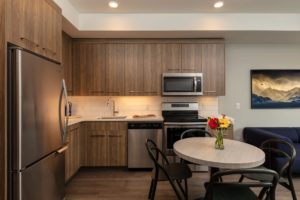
{"x": 219, "y": 125}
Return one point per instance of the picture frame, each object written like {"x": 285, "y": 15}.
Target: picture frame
{"x": 275, "y": 88}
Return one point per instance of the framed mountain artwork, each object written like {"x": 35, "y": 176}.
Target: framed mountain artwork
{"x": 275, "y": 89}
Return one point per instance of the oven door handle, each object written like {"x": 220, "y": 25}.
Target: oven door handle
{"x": 185, "y": 123}
{"x": 187, "y": 127}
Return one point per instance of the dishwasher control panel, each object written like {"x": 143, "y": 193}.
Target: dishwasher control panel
{"x": 145, "y": 125}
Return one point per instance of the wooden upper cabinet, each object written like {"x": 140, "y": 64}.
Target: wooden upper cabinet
{"x": 51, "y": 24}
{"x": 35, "y": 25}
{"x": 213, "y": 68}
{"x": 191, "y": 58}
{"x": 80, "y": 70}
{"x": 96, "y": 63}
{"x": 115, "y": 69}
{"x": 152, "y": 69}
{"x": 171, "y": 57}
{"x": 134, "y": 70}
{"x": 89, "y": 69}
{"x": 67, "y": 61}
{"x": 23, "y": 18}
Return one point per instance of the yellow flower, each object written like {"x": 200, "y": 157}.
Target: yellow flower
{"x": 224, "y": 122}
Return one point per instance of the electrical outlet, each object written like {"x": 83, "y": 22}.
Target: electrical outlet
{"x": 237, "y": 105}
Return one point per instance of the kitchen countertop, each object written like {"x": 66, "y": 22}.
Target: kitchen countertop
{"x": 127, "y": 119}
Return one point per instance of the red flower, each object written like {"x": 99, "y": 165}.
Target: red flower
{"x": 213, "y": 123}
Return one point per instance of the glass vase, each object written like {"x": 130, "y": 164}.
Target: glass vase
{"x": 219, "y": 144}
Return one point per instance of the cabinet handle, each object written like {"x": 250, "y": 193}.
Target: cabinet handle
{"x": 95, "y": 91}
{"x": 114, "y": 135}
{"x": 28, "y": 40}
{"x": 95, "y": 135}
{"x": 49, "y": 50}
{"x": 210, "y": 91}
{"x": 132, "y": 91}
{"x": 173, "y": 69}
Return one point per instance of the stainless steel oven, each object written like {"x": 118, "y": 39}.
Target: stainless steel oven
{"x": 182, "y": 84}
{"x": 173, "y": 131}
{"x": 179, "y": 117}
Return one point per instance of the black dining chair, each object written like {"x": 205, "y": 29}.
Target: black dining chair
{"x": 165, "y": 171}
{"x": 228, "y": 190}
{"x": 195, "y": 133}
{"x": 280, "y": 150}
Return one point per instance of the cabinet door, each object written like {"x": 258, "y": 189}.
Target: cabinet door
{"x": 51, "y": 30}
{"x": 23, "y": 20}
{"x": 96, "y": 155}
{"x": 67, "y": 62}
{"x": 115, "y": 69}
{"x": 134, "y": 72}
{"x": 72, "y": 156}
{"x": 96, "y": 65}
{"x": 171, "y": 57}
{"x": 117, "y": 143}
{"x": 80, "y": 69}
{"x": 152, "y": 69}
{"x": 68, "y": 157}
{"x": 191, "y": 58}
{"x": 213, "y": 68}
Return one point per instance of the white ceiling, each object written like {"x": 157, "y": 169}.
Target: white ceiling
{"x": 187, "y": 6}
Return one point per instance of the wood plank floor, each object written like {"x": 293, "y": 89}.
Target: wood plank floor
{"x": 114, "y": 184}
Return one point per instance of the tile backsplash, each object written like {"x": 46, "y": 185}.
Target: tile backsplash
{"x": 128, "y": 105}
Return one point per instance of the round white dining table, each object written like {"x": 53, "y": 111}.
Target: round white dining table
{"x": 235, "y": 155}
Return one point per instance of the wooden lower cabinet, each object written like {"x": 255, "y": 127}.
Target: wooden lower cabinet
{"x": 106, "y": 144}
{"x": 73, "y": 153}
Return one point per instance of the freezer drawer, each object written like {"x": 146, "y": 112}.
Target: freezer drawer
{"x": 42, "y": 181}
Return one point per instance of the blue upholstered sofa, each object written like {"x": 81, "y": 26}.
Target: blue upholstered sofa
{"x": 256, "y": 136}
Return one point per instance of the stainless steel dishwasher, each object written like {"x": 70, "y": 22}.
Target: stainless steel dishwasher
{"x": 138, "y": 132}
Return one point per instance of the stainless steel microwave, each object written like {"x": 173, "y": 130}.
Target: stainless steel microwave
{"x": 182, "y": 84}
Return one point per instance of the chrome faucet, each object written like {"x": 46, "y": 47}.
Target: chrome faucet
{"x": 113, "y": 106}
{"x": 114, "y": 112}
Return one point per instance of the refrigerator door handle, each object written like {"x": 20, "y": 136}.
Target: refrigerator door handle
{"x": 63, "y": 126}
{"x": 63, "y": 149}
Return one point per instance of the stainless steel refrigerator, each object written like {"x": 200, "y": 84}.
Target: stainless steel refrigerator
{"x": 36, "y": 127}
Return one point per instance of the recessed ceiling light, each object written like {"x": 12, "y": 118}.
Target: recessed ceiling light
{"x": 113, "y": 4}
{"x": 219, "y": 4}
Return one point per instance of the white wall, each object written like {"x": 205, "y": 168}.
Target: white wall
{"x": 240, "y": 58}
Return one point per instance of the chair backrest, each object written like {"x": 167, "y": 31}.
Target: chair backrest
{"x": 269, "y": 183}
{"x": 195, "y": 133}
{"x": 155, "y": 153}
{"x": 280, "y": 149}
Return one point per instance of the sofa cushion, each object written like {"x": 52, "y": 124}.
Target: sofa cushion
{"x": 278, "y": 162}
{"x": 256, "y": 136}
{"x": 292, "y": 133}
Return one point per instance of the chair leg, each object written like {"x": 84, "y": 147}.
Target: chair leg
{"x": 241, "y": 178}
{"x": 150, "y": 190}
{"x": 153, "y": 189}
{"x": 291, "y": 187}
{"x": 186, "y": 189}
{"x": 175, "y": 189}
{"x": 262, "y": 193}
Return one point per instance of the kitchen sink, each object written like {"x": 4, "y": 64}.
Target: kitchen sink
{"x": 112, "y": 117}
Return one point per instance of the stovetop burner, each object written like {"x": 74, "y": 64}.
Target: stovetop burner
{"x": 181, "y": 112}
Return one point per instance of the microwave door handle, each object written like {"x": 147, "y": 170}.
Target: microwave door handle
{"x": 195, "y": 84}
